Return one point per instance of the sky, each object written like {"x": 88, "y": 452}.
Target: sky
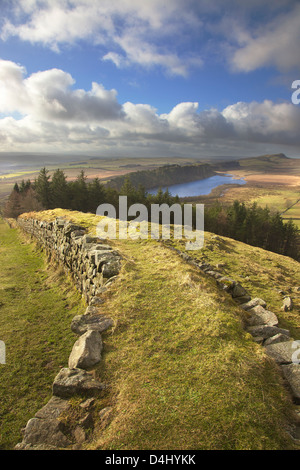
{"x": 141, "y": 78}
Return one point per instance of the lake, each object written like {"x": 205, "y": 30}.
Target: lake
{"x": 200, "y": 187}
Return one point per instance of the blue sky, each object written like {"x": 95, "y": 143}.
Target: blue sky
{"x": 140, "y": 78}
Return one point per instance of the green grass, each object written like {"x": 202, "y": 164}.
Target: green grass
{"x": 263, "y": 273}
{"x": 37, "y": 305}
{"x": 183, "y": 373}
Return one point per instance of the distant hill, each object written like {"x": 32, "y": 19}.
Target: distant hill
{"x": 261, "y": 163}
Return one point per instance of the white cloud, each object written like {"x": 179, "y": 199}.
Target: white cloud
{"x": 48, "y": 95}
{"x": 130, "y": 30}
{"x": 274, "y": 43}
{"x": 266, "y": 121}
{"x": 55, "y": 115}
{"x": 174, "y": 35}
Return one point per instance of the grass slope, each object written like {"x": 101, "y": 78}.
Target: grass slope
{"x": 183, "y": 373}
{"x": 36, "y": 308}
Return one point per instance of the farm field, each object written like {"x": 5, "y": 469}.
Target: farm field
{"x": 102, "y": 168}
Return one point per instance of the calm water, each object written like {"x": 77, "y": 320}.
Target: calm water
{"x": 200, "y": 187}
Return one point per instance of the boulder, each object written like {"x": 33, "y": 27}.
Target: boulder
{"x": 279, "y": 338}
{"x": 282, "y": 353}
{"x": 46, "y": 428}
{"x": 253, "y": 303}
{"x": 69, "y": 382}
{"x": 261, "y": 316}
{"x": 238, "y": 291}
{"x": 287, "y": 304}
{"x": 266, "y": 331}
{"x": 82, "y": 323}
{"x": 226, "y": 283}
{"x": 86, "y": 351}
{"x": 111, "y": 268}
{"x": 291, "y": 373}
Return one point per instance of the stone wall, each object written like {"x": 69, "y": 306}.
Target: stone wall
{"x": 93, "y": 265}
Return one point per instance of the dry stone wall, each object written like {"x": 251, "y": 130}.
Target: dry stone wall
{"x": 93, "y": 265}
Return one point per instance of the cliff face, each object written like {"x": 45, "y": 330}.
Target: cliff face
{"x": 165, "y": 176}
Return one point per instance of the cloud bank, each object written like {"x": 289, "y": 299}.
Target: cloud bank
{"x": 45, "y": 111}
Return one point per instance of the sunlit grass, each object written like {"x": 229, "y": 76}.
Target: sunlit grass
{"x": 37, "y": 304}
{"x": 183, "y": 373}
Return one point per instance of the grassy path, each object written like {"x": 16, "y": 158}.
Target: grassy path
{"x": 36, "y": 308}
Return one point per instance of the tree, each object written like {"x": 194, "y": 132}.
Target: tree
{"x": 129, "y": 190}
{"x": 12, "y": 208}
{"x": 29, "y": 201}
{"x": 59, "y": 190}
{"x": 96, "y": 195}
{"x": 43, "y": 188}
{"x": 79, "y": 193}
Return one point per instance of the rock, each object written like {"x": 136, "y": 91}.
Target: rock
{"x": 266, "y": 331}
{"x": 282, "y": 353}
{"x": 105, "y": 416}
{"x": 253, "y": 303}
{"x": 60, "y": 222}
{"x": 96, "y": 301}
{"x": 102, "y": 257}
{"x": 46, "y": 429}
{"x": 79, "y": 435}
{"x": 243, "y": 299}
{"x": 82, "y": 323}
{"x": 77, "y": 234}
{"x": 41, "y": 431}
{"x": 55, "y": 407}
{"x": 261, "y": 316}
{"x": 111, "y": 268}
{"x": 70, "y": 227}
{"x": 87, "y": 421}
{"x": 69, "y": 382}
{"x": 86, "y": 351}
{"x": 88, "y": 239}
{"x": 226, "y": 283}
{"x": 287, "y": 304}
{"x": 87, "y": 403}
{"x": 92, "y": 310}
{"x": 238, "y": 291}
{"x": 279, "y": 338}
{"x": 214, "y": 274}
{"x": 291, "y": 373}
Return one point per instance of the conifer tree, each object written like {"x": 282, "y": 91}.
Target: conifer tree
{"x": 59, "y": 189}
{"x": 43, "y": 188}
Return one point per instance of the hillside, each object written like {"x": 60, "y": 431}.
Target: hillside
{"x": 165, "y": 176}
{"x": 182, "y": 371}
